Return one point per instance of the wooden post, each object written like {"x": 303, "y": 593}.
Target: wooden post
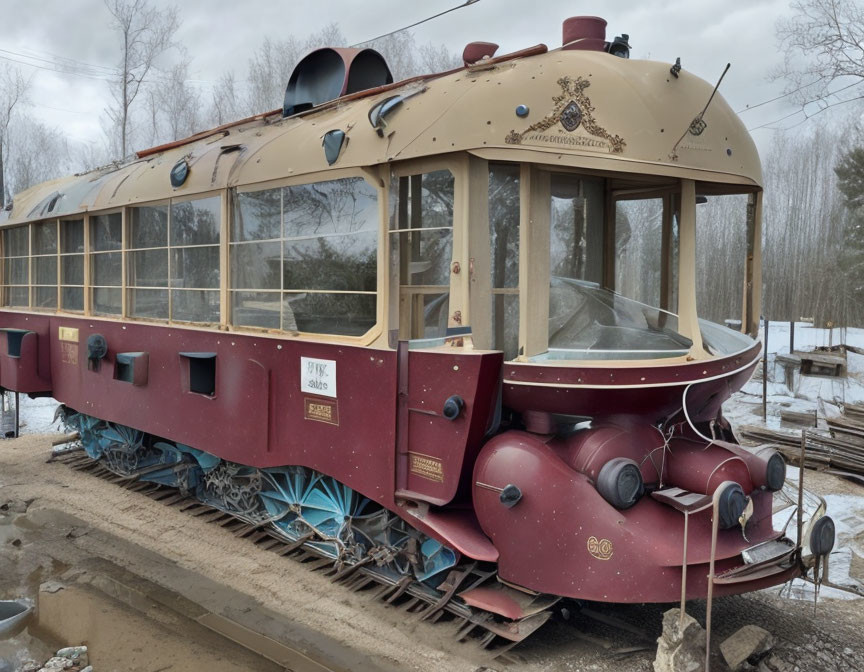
{"x": 801, "y": 489}
{"x": 715, "y": 523}
{"x": 684, "y": 572}
{"x": 791, "y": 336}
{"x": 765, "y": 373}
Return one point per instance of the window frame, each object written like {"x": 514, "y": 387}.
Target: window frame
{"x": 89, "y": 269}
{"x": 128, "y": 287}
{"x": 457, "y": 286}
{"x": 375, "y": 178}
{"x": 7, "y": 305}
{"x": 60, "y": 257}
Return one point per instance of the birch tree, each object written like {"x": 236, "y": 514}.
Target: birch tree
{"x": 145, "y": 34}
{"x": 13, "y": 92}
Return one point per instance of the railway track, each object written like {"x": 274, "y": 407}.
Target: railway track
{"x": 491, "y": 632}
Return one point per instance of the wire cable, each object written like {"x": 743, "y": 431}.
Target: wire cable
{"x": 803, "y": 107}
{"x": 747, "y": 108}
{"x": 417, "y": 23}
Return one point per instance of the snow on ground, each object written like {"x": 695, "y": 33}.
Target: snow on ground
{"x": 37, "y": 415}
{"x": 808, "y": 393}
{"x": 824, "y": 395}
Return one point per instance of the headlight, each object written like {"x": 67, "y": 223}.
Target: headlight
{"x": 732, "y": 503}
{"x": 822, "y": 536}
{"x": 775, "y": 472}
{"x": 620, "y": 482}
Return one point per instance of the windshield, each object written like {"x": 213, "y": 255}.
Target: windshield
{"x": 587, "y": 322}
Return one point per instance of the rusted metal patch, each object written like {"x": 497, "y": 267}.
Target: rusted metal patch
{"x": 426, "y": 466}
{"x": 321, "y": 410}
{"x": 600, "y": 548}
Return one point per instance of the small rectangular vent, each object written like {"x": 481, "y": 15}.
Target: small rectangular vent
{"x": 131, "y": 367}
{"x": 202, "y": 372}
{"x": 14, "y": 340}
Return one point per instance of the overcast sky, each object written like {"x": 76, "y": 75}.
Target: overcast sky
{"x": 223, "y": 34}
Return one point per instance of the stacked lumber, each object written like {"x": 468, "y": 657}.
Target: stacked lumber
{"x": 847, "y": 430}
{"x": 755, "y": 435}
{"x": 798, "y": 418}
{"x": 843, "y": 451}
{"x": 854, "y": 412}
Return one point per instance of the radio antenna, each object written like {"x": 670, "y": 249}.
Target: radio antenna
{"x": 698, "y": 124}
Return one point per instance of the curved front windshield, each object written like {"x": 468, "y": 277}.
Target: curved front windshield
{"x": 588, "y": 322}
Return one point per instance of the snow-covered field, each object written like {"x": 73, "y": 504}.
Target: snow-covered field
{"x": 808, "y": 392}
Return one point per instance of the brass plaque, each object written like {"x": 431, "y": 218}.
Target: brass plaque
{"x": 426, "y": 466}
{"x": 68, "y": 334}
{"x": 321, "y": 410}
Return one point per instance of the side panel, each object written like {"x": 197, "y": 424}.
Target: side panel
{"x": 433, "y": 450}
{"x": 258, "y": 414}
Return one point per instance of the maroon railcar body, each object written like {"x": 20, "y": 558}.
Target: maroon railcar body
{"x": 429, "y": 318}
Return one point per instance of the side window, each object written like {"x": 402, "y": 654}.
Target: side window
{"x": 45, "y": 265}
{"x": 16, "y": 266}
{"x": 504, "y": 240}
{"x": 638, "y": 246}
{"x": 147, "y": 260}
{"x": 304, "y": 258}
{"x": 72, "y": 264}
{"x": 173, "y": 261}
{"x": 256, "y": 259}
{"x": 421, "y": 245}
{"x": 106, "y": 263}
{"x": 575, "y": 253}
{"x": 193, "y": 263}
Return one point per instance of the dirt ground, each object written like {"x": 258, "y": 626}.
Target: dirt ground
{"x": 76, "y": 517}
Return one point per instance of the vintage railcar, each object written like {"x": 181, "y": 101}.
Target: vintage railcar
{"x": 392, "y": 321}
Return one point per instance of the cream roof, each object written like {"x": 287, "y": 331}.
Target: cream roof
{"x": 635, "y": 107}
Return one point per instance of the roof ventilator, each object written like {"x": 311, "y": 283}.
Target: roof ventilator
{"x": 330, "y": 73}
{"x": 380, "y": 111}
{"x": 475, "y": 52}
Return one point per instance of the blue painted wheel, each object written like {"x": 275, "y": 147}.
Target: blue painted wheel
{"x": 303, "y": 502}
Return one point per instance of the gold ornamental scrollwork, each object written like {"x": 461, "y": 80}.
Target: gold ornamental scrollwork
{"x": 600, "y": 548}
{"x": 572, "y": 109}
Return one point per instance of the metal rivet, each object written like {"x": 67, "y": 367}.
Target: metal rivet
{"x": 522, "y": 110}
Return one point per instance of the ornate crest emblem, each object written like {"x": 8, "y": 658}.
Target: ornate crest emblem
{"x": 571, "y": 116}
{"x": 600, "y": 548}
{"x": 572, "y": 109}
{"x": 697, "y": 126}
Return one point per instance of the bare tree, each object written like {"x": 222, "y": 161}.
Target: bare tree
{"x": 13, "y": 92}
{"x": 37, "y": 153}
{"x": 823, "y": 42}
{"x": 226, "y": 104}
{"x": 146, "y": 33}
{"x": 175, "y": 104}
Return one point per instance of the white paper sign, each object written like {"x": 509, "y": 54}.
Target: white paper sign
{"x": 318, "y": 376}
